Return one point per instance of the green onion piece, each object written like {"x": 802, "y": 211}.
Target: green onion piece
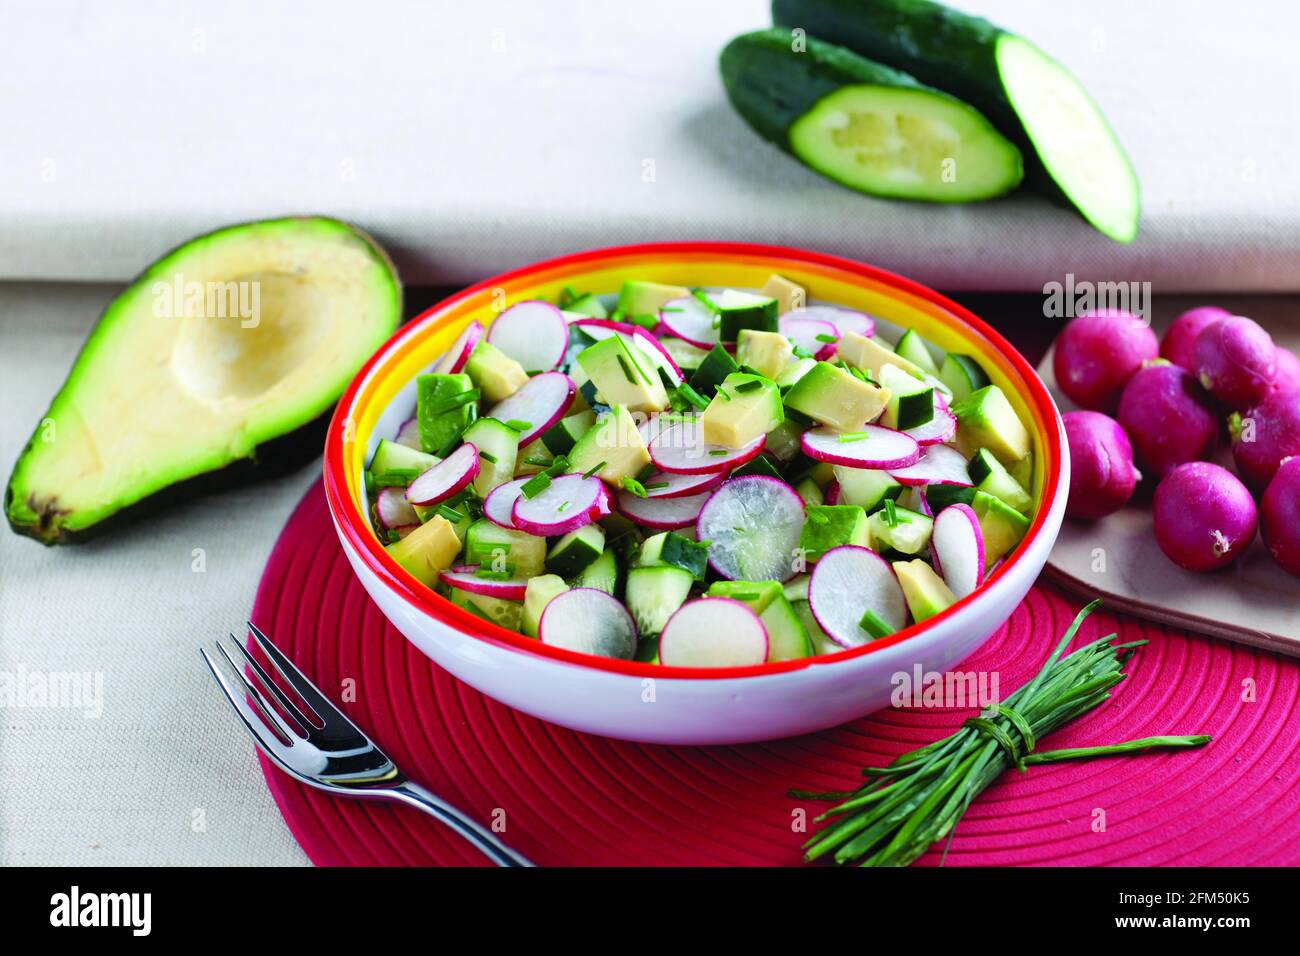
{"x": 826, "y": 337}
{"x": 744, "y": 596}
{"x": 451, "y": 514}
{"x": 559, "y": 466}
{"x": 492, "y": 575}
{"x": 455, "y": 402}
{"x": 749, "y": 386}
{"x": 891, "y": 513}
{"x": 874, "y": 624}
{"x": 722, "y": 393}
{"x": 627, "y": 369}
{"x": 539, "y": 461}
{"x": 801, "y": 352}
{"x": 594, "y": 468}
{"x": 634, "y": 486}
{"x": 535, "y": 485}
{"x": 563, "y": 507}
{"x": 854, "y": 436}
{"x": 692, "y": 396}
{"x": 488, "y": 457}
{"x": 518, "y": 425}
{"x": 671, "y": 308}
{"x": 656, "y": 486}
{"x": 717, "y": 452}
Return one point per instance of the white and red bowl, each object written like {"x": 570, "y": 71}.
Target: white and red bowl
{"x": 677, "y": 705}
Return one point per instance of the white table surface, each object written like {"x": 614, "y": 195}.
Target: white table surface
{"x": 472, "y": 137}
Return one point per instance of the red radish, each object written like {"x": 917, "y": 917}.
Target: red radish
{"x": 568, "y": 503}
{"x": 844, "y": 320}
{"x": 1235, "y": 361}
{"x": 1279, "y": 516}
{"x": 590, "y": 622}
{"x": 1287, "y": 376}
{"x": 667, "y": 484}
{"x": 847, "y": 582}
{"x": 467, "y": 578}
{"x": 752, "y": 525}
{"x": 1204, "y": 516}
{"x": 454, "y": 359}
{"x": 938, "y": 430}
{"x": 662, "y": 514}
{"x": 805, "y": 332}
{"x": 690, "y": 320}
{"x": 533, "y": 333}
{"x": 1102, "y": 476}
{"x": 1168, "y": 417}
{"x": 957, "y": 546}
{"x": 393, "y": 508}
{"x": 648, "y": 344}
{"x": 498, "y": 506}
{"x": 1097, "y": 353}
{"x": 541, "y": 402}
{"x": 831, "y": 493}
{"x": 409, "y": 434}
{"x": 446, "y": 478}
{"x": 600, "y": 329}
{"x": 938, "y": 465}
{"x": 650, "y": 427}
{"x": 1179, "y": 342}
{"x": 871, "y": 446}
{"x": 681, "y": 448}
{"x": 1265, "y": 436}
{"x": 713, "y": 632}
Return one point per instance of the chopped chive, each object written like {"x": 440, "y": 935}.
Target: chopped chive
{"x": 617, "y": 315}
{"x": 455, "y": 402}
{"x": 656, "y": 486}
{"x": 801, "y": 352}
{"x": 535, "y": 485}
{"x": 488, "y": 457}
{"x": 717, "y": 452}
{"x": 394, "y": 477}
{"x": 891, "y": 513}
{"x": 559, "y": 466}
{"x": 393, "y": 536}
{"x": 672, "y": 308}
{"x": 646, "y": 472}
{"x": 692, "y": 396}
{"x": 854, "y": 436}
{"x": 722, "y": 393}
{"x": 539, "y": 461}
{"x": 451, "y": 514}
{"x": 563, "y": 507}
{"x": 826, "y": 337}
{"x": 817, "y": 517}
{"x": 744, "y": 596}
{"x": 488, "y": 573}
{"x": 518, "y": 425}
{"x": 627, "y": 370}
{"x": 450, "y": 444}
{"x": 634, "y": 486}
{"x": 594, "y": 469}
{"x": 749, "y": 386}
{"x": 874, "y": 624}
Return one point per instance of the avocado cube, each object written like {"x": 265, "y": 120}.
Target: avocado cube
{"x": 428, "y": 550}
{"x": 870, "y": 356}
{"x": 1001, "y": 525}
{"x": 924, "y": 590}
{"x": 496, "y": 374}
{"x": 789, "y": 295}
{"x": 834, "y": 397}
{"x": 829, "y": 526}
{"x": 985, "y": 419}
{"x": 767, "y": 353}
{"x": 440, "y": 424}
{"x": 647, "y": 298}
{"x": 899, "y": 529}
{"x": 622, "y": 376}
{"x": 745, "y": 407}
{"x": 757, "y": 595}
{"x": 539, "y": 592}
{"x": 612, "y": 449}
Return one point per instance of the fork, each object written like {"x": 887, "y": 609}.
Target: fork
{"x": 321, "y": 747}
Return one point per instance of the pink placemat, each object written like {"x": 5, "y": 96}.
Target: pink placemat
{"x": 574, "y": 799}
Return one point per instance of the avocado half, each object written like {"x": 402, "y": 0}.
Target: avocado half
{"x": 221, "y": 363}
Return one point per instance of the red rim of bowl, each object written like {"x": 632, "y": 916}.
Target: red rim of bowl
{"x": 356, "y": 529}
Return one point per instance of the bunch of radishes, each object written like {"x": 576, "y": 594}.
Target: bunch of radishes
{"x": 1171, "y": 399}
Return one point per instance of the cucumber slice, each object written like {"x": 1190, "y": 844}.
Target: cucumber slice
{"x": 498, "y": 448}
{"x": 962, "y": 374}
{"x": 673, "y": 549}
{"x": 810, "y": 492}
{"x": 1070, "y": 150}
{"x": 602, "y": 574}
{"x": 787, "y": 638}
{"x": 503, "y": 549}
{"x": 911, "y": 402}
{"x": 653, "y": 594}
{"x": 736, "y": 310}
{"x": 589, "y": 305}
{"x": 913, "y": 348}
{"x": 864, "y": 125}
{"x": 508, "y": 614}
{"x": 900, "y": 529}
{"x": 991, "y": 476}
{"x": 686, "y": 355}
{"x": 391, "y": 457}
{"x": 866, "y": 487}
{"x": 576, "y": 550}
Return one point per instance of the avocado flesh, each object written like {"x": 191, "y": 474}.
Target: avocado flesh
{"x": 167, "y": 399}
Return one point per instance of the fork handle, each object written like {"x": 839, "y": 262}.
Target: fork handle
{"x": 412, "y": 794}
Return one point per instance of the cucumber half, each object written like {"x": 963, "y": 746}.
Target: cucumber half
{"x": 866, "y": 126}
{"x": 1071, "y": 151}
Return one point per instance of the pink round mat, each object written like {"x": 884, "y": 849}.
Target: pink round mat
{"x": 574, "y": 799}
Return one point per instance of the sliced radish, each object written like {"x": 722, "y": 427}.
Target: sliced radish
{"x": 939, "y": 465}
{"x": 713, "y": 632}
{"x": 831, "y": 493}
{"x": 454, "y": 359}
{"x": 804, "y": 333}
{"x": 844, "y": 320}
{"x": 409, "y": 434}
{"x": 648, "y": 344}
{"x": 393, "y": 508}
{"x": 541, "y": 401}
{"x": 500, "y": 502}
{"x": 957, "y": 546}
{"x": 667, "y": 484}
{"x": 590, "y": 622}
{"x": 752, "y": 525}
{"x": 691, "y": 320}
{"x": 847, "y": 582}
{"x": 567, "y": 504}
{"x": 871, "y": 446}
{"x": 681, "y": 448}
{"x": 467, "y": 579}
{"x": 650, "y": 428}
{"x": 939, "y": 429}
{"x": 600, "y": 329}
{"x": 662, "y": 514}
{"x": 446, "y": 478}
{"x": 533, "y": 333}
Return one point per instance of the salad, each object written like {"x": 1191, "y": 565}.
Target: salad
{"x": 701, "y": 478}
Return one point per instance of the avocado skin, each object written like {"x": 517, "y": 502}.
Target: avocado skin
{"x": 272, "y": 459}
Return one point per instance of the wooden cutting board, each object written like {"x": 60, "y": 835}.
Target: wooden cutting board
{"x": 1253, "y": 602}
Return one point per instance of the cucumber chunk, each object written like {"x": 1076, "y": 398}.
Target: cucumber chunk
{"x": 576, "y": 550}
{"x": 654, "y": 593}
{"x": 391, "y": 457}
{"x": 602, "y": 574}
